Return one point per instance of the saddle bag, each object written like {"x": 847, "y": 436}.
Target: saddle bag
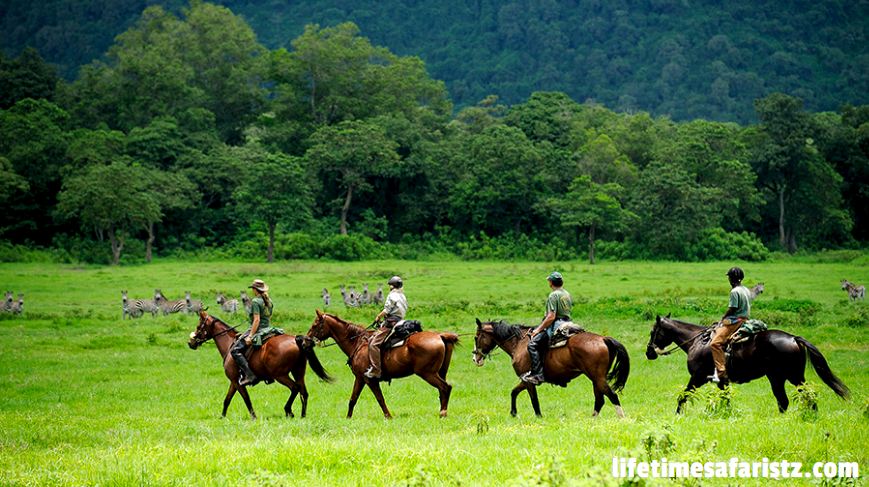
{"x": 400, "y": 332}
{"x": 563, "y": 333}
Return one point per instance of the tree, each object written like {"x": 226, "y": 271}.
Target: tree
{"x": 353, "y": 152}
{"x": 173, "y": 192}
{"x": 110, "y": 200}
{"x": 27, "y": 76}
{"x": 273, "y": 190}
{"x": 592, "y": 206}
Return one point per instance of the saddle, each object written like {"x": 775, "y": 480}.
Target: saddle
{"x": 563, "y": 333}
{"x": 398, "y": 336}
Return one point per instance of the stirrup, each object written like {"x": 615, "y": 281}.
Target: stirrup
{"x": 531, "y": 379}
{"x": 370, "y": 373}
{"x": 714, "y": 377}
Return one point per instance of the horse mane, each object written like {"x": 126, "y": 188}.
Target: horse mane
{"x": 680, "y": 322}
{"x": 231, "y": 328}
{"x": 352, "y": 326}
{"x": 504, "y": 331}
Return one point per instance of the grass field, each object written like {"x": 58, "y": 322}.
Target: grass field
{"x": 91, "y": 399}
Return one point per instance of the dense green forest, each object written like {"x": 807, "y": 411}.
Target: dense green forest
{"x": 685, "y": 60}
{"x": 190, "y": 136}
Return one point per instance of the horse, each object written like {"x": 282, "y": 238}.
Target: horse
{"x": 603, "y": 359}
{"x": 275, "y": 360}
{"x": 775, "y": 354}
{"x": 426, "y": 354}
{"x": 855, "y": 292}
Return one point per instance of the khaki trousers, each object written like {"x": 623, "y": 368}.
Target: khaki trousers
{"x": 374, "y": 349}
{"x": 722, "y": 334}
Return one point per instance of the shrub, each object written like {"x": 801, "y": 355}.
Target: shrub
{"x": 717, "y": 244}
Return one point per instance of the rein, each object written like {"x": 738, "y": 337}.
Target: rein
{"x": 679, "y": 345}
{"x": 227, "y": 330}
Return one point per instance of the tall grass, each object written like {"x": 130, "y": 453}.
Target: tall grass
{"x": 91, "y": 399}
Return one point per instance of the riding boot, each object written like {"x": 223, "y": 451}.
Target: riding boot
{"x": 536, "y": 349}
{"x": 247, "y": 375}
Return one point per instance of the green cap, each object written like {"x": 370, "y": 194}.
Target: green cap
{"x": 554, "y": 275}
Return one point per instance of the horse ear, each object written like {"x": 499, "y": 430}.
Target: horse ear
{"x": 202, "y": 313}
{"x": 668, "y": 315}
{"x": 479, "y": 323}
{"x": 319, "y": 313}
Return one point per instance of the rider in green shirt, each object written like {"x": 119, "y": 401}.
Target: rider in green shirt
{"x": 260, "y": 325}
{"x": 558, "y": 306}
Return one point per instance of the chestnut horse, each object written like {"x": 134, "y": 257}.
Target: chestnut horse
{"x": 775, "y": 354}
{"x": 275, "y": 360}
{"x": 601, "y": 358}
{"x": 426, "y": 354}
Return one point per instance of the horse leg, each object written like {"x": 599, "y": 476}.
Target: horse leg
{"x": 778, "y": 390}
{"x": 598, "y": 397}
{"x": 535, "y": 403}
{"x": 303, "y": 393}
{"x": 614, "y": 399}
{"x": 693, "y": 383}
{"x": 443, "y": 388}
{"x": 354, "y": 396}
{"x": 228, "y": 398}
{"x": 513, "y": 394}
{"x": 375, "y": 389}
{"x": 294, "y": 391}
{"x": 244, "y": 395}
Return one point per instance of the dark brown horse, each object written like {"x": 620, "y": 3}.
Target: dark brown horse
{"x": 775, "y": 354}
{"x": 601, "y": 358}
{"x": 426, "y": 354}
{"x": 275, "y": 360}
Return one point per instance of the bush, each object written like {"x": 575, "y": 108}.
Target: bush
{"x": 717, "y": 244}
{"x": 346, "y": 247}
{"x": 22, "y": 253}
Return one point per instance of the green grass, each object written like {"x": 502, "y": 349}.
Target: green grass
{"x": 90, "y": 399}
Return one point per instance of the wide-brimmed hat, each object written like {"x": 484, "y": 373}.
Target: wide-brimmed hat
{"x": 259, "y": 285}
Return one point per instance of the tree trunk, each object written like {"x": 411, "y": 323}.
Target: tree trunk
{"x": 117, "y": 246}
{"x": 591, "y": 245}
{"x": 271, "y": 256}
{"x": 781, "y": 217}
{"x": 345, "y": 209}
{"x": 150, "y": 242}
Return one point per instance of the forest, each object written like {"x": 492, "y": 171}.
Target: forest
{"x": 189, "y": 136}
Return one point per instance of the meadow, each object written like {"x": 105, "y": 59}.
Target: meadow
{"x": 89, "y": 399}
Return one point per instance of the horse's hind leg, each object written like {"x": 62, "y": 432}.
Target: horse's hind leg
{"x": 614, "y": 399}
{"x": 294, "y": 391}
{"x": 778, "y": 390}
{"x": 244, "y": 395}
{"x": 443, "y": 388}
{"x": 228, "y": 398}
{"x": 598, "y": 397}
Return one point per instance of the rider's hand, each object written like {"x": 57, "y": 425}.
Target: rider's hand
{"x": 248, "y": 340}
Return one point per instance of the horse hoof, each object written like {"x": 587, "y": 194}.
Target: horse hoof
{"x": 443, "y": 414}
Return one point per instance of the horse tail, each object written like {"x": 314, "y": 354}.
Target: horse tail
{"x": 823, "y": 370}
{"x": 620, "y": 363}
{"x": 306, "y": 345}
{"x": 450, "y": 340}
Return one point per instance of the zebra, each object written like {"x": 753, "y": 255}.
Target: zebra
{"x": 245, "y": 301}
{"x": 227, "y": 305}
{"x": 353, "y": 296}
{"x": 18, "y": 308}
{"x": 174, "y": 306}
{"x": 365, "y": 298}
{"x": 349, "y": 299}
{"x": 755, "y": 291}
{"x": 193, "y": 305}
{"x": 137, "y": 307}
{"x": 378, "y": 298}
{"x": 855, "y": 292}
{"x": 7, "y": 304}
{"x": 326, "y": 297}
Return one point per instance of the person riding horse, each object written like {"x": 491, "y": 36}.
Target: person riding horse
{"x": 737, "y": 313}
{"x": 558, "y": 306}
{"x": 394, "y": 310}
{"x": 260, "y": 325}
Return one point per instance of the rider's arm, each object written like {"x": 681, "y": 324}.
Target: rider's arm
{"x": 380, "y": 316}
{"x": 547, "y": 320}
{"x": 254, "y": 325}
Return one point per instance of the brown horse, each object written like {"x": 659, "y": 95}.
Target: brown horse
{"x": 585, "y": 353}
{"x": 426, "y": 354}
{"x": 275, "y": 360}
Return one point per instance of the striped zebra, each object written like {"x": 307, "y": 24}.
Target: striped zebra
{"x": 365, "y": 297}
{"x": 245, "y": 301}
{"x": 193, "y": 305}
{"x": 227, "y": 305}
{"x": 756, "y": 291}
{"x": 378, "y": 298}
{"x": 169, "y": 306}
{"x": 137, "y": 307}
{"x": 7, "y": 303}
{"x": 327, "y": 298}
{"x": 855, "y": 292}
{"x": 18, "y": 308}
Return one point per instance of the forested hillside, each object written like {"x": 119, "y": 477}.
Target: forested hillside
{"x": 191, "y": 136}
{"x": 685, "y": 60}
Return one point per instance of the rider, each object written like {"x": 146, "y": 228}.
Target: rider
{"x": 260, "y": 313}
{"x": 558, "y": 306}
{"x": 737, "y": 312}
{"x": 394, "y": 309}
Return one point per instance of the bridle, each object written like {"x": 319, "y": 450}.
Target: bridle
{"x": 322, "y": 343}
{"x": 656, "y": 330}
{"x": 210, "y": 321}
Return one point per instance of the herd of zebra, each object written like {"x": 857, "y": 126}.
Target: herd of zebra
{"x": 12, "y": 306}
{"x": 135, "y": 308}
{"x": 354, "y": 299}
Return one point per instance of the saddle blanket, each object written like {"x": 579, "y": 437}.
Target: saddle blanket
{"x": 563, "y": 333}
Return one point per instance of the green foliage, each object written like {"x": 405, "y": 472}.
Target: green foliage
{"x": 859, "y": 316}
{"x": 805, "y": 398}
{"x": 717, "y": 244}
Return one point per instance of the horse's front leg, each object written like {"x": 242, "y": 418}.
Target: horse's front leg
{"x": 535, "y": 403}
{"x": 354, "y": 396}
{"x": 375, "y": 388}
{"x": 693, "y": 383}
{"x": 514, "y": 394}
{"x": 228, "y": 398}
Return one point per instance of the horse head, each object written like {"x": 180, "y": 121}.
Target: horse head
{"x": 658, "y": 339}
{"x": 320, "y": 330}
{"x": 484, "y": 341}
{"x": 204, "y": 330}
